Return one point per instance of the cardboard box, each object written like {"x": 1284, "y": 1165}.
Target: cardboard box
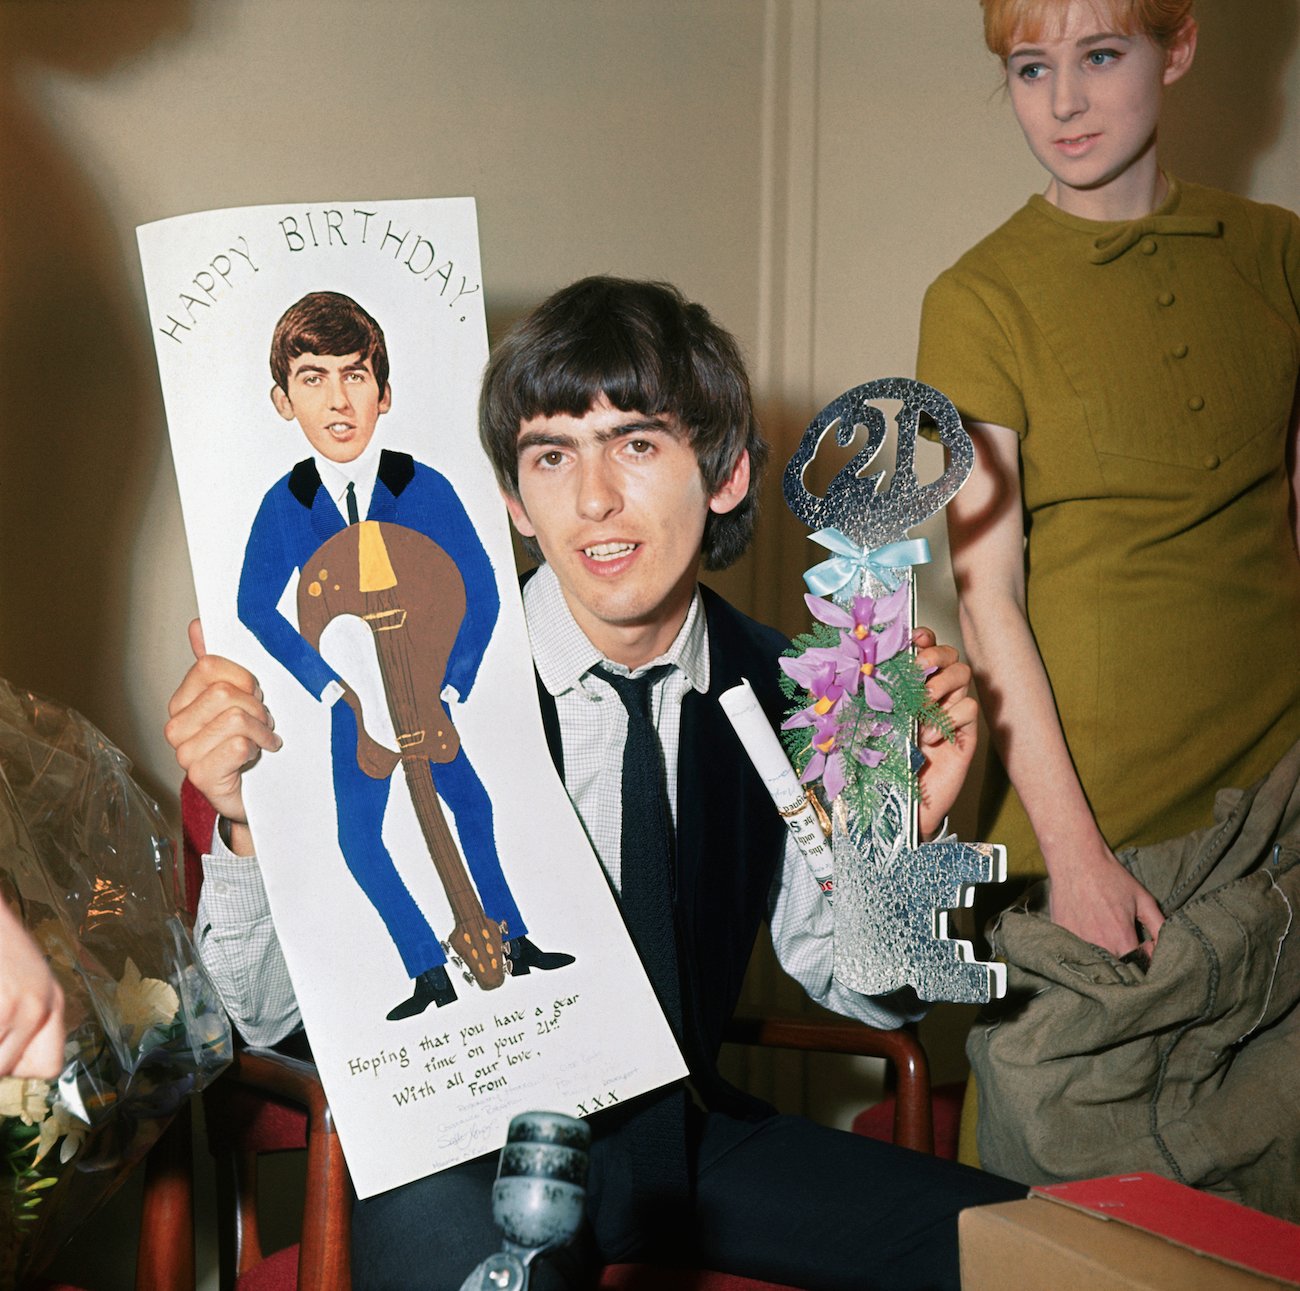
{"x": 1134, "y": 1232}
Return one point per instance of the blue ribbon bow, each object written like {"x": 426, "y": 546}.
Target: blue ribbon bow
{"x": 850, "y": 560}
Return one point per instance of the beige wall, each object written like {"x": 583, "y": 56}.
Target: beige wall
{"x": 595, "y": 136}
{"x": 805, "y": 167}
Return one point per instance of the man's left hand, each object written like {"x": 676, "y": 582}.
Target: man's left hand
{"x": 946, "y": 762}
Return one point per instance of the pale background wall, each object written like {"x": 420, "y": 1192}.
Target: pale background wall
{"x": 804, "y": 167}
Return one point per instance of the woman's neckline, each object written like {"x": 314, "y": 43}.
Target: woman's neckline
{"x": 1082, "y": 224}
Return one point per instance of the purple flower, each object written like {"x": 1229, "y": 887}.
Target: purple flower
{"x": 827, "y": 759}
{"x": 867, "y": 612}
{"x": 871, "y": 633}
{"x": 817, "y": 671}
{"x": 857, "y": 659}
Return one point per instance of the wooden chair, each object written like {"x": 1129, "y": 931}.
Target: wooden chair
{"x": 165, "y": 1251}
{"x": 165, "y": 1259}
{"x": 945, "y": 1113}
{"x": 268, "y": 1102}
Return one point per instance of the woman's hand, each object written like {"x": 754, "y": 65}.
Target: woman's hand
{"x": 1097, "y": 899}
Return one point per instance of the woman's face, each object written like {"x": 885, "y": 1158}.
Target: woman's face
{"x": 1088, "y": 99}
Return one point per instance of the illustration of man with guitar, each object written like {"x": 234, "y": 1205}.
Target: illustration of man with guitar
{"x": 374, "y": 533}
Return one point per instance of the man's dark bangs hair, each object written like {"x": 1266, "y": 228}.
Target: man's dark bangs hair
{"x": 646, "y": 349}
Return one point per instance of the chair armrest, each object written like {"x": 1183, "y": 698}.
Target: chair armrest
{"x": 165, "y": 1261}
{"x": 292, "y": 1079}
{"x": 913, "y": 1121}
{"x": 324, "y": 1254}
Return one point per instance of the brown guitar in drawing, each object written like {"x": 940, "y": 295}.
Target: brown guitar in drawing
{"x": 411, "y": 595}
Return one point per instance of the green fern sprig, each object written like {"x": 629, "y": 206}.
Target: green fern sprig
{"x": 798, "y": 745}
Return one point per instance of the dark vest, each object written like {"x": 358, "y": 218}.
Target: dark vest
{"x": 730, "y": 839}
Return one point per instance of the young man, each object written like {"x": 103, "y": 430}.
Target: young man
{"x": 619, "y": 422}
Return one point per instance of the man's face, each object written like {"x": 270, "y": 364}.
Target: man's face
{"x": 617, "y": 504}
{"x": 336, "y": 400}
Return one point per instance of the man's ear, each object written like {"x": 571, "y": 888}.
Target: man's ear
{"x": 733, "y": 490}
{"x": 518, "y": 516}
{"x": 1179, "y": 55}
{"x": 283, "y": 404}
{"x": 387, "y": 401}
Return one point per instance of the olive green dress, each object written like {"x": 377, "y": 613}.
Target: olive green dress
{"x": 1149, "y": 369}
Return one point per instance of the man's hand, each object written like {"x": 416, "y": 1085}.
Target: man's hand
{"x": 31, "y": 1005}
{"x": 1098, "y": 900}
{"x": 219, "y": 727}
{"x": 946, "y": 764}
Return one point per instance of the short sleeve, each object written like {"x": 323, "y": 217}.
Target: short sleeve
{"x": 1290, "y": 257}
{"x": 1274, "y": 244}
{"x": 967, "y": 354}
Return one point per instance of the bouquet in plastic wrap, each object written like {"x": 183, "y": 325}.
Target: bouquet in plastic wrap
{"x": 86, "y": 861}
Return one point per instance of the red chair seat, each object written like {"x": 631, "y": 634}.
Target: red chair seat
{"x": 248, "y": 1116}
{"x": 278, "y": 1272}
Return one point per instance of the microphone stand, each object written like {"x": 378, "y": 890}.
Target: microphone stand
{"x": 537, "y": 1199}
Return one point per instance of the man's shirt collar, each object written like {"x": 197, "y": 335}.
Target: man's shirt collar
{"x": 336, "y": 476}
{"x": 563, "y": 654}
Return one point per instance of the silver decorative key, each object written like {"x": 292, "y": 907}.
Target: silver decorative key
{"x": 892, "y": 893}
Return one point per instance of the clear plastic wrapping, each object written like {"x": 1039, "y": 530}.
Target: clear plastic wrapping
{"x": 87, "y": 861}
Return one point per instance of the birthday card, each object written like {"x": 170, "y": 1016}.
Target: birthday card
{"x": 454, "y": 946}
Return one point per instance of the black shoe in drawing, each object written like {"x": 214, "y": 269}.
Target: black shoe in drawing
{"x": 431, "y": 987}
{"x": 524, "y": 957}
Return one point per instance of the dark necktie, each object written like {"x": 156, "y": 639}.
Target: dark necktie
{"x": 354, "y": 516}
{"x": 645, "y": 889}
{"x": 658, "y": 1129}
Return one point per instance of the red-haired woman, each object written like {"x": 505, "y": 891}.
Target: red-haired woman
{"x": 1124, "y": 351}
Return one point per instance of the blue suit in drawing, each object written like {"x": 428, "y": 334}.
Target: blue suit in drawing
{"x": 295, "y": 518}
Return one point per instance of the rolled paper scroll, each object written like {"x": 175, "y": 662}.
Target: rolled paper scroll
{"x": 797, "y": 808}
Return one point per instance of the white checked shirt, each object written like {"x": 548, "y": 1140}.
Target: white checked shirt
{"x": 593, "y": 721}
{"x": 236, "y": 938}
{"x": 593, "y": 728}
